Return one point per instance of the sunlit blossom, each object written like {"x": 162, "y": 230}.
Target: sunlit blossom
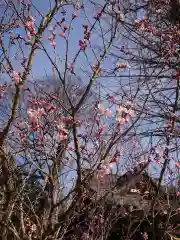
{"x": 50, "y": 38}
{"x": 62, "y": 35}
{"x": 53, "y": 43}
{"x": 121, "y": 17}
{"x": 33, "y": 228}
{"x": 35, "y": 115}
{"x": 123, "y": 115}
{"x": 16, "y": 77}
{"x": 101, "y": 108}
{"x": 102, "y": 111}
{"x": 121, "y": 66}
{"x": 31, "y": 27}
{"x": 107, "y": 112}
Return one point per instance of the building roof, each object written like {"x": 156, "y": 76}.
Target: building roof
{"x": 135, "y": 187}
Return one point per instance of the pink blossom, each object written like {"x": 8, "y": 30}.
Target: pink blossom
{"x": 64, "y": 131}
{"x": 127, "y": 119}
{"x": 101, "y": 108}
{"x": 145, "y": 236}
{"x": 51, "y": 108}
{"x": 105, "y": 170}
{"x": 121, "y": 17}
{"x": 123, "y": 121}
{"x": 108, "y": 112}
{"x": 82, "y": 44}
{"x": 65, "y": 28}
{"x": 136, "y": 21}
{"x": 99, "y": 15}
{"x": 61, "y": 137}
{"x": 30, "y": 27}
{"x": 41, "y": 111}
{"x": 99, "y": 132}
{"x": 112, "y": 99}
{"x": 61, "y": 124}
{"x": 159, "y": 153}
{"x": 85, "y": 236}
{"x": 33, "y": 228}
{"x": 178, "y": 164}
{"x": 158, "y": 161}
{"x": 113, "y": 160}
{"x": 123, "y": 114}
{"x": 35, "y": 115}
{"x": 69, "y": 148}
{"x": 50, "y": 38}
{"x": 24, "y": 139}
{"x": 53, "y": 43}
{"x": 120, "y": 66}
{"x": 54, "y": 97}
{"x": 16, "y": 77}
{"x": 74, "y": 15}
{"x": 178, "y": 210}
{"x": 62, "y": 35}
{"x": 178, "y": 194}
{"x": 72, "y": 69}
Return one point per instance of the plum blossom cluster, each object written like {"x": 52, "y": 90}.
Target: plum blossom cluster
{"x": 63, "y": 125}
{"x": 98, "y": 16}
{"x": 35, "y": 116}
{"x": 30, "y": 227}
{"x": 104, "y": 111}
{"x": 113, "y": 8}
{"x": 106, "y": 166}
{"x": 52, "y": 37}
{"x": 112, "y": 99}
{"x": 123, "y": 114}
{"x": 39, "y": 109}
{"x": 83, "y": 42}
{"x": 30, "y": 25}
{"x": 16, "y": 76}
{"x": 62, "y": 131}
{"x": 145, "y": 236}
{"x": 141, "y": 24}
{"x": 104, "y": 170}
{"x": 168, "y": 37}
{"x": 39, "y": 115}
{"x": 156, "y": 155}
{"x": 121, "y": 66}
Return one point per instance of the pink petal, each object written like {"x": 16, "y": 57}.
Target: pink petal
{"x": 108, "y": 112}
